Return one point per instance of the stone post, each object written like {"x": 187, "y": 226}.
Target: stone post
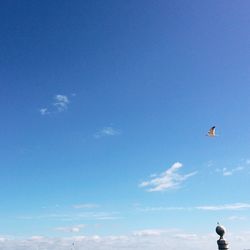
{"x": 222, "y": 244}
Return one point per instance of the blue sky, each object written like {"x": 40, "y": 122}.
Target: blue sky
{"x": 104, "y": 110}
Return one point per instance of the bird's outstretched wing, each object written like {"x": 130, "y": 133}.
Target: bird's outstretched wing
{"x": 211, "y": 132}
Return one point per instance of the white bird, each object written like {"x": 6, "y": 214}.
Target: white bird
{"x": 211, "y": 132}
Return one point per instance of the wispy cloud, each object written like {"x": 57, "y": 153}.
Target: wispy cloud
{"x": 72, "y": 229}
{"x": 233, "y": 206}
{"x": 151, "y": 232}
{"x": 237, "y": 218}
{"x": 60, "y": 103}
{"x": 186, "y": 236}
{"x": 242, "y": 166}
{"x": 167, "y": 180}
{"x": 222, "y": 207}
{"x": 44, "y": 111}
{"x": 159, "y": 209}
{"x": 107, "y": 131}
{"x": 86, "y": 205}
{"x": 73, "y": 216}
{"x": 228, "y": 172}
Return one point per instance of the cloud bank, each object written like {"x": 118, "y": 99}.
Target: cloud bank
{"x": 145, "y": 239}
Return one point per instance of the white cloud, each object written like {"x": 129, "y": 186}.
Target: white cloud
{"x": 106, "y": 131}
{"x": 148, "y": 232}
{"x": 242, "y": 166}
{"x": 37, "y": 238}
{"x": 167, "y": 180}
{"x": 152, "y": 232}
{"x": 146, "y": 239}
{"x": 85, "y": 205}
{"x": 158, "y": 209}
{"x": 3, "y": 239}
{"x": 72, "y": 229}
{"x": 233, "y": 206}
{"x": 228, "y": 172}
{"x": 88, "y": 215}
{"x": 149, "y": 239}
{"x": 223, "y": 207}
{"x": 186, "y": 236}
{"x": 61, "y": 102}
{"x": 237, "y": 218}
{"x": 44, "y": 111}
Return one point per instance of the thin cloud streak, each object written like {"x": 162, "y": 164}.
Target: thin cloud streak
{"x": 237, "y": 218}
{"x": 159, "y": 209}
{"x": 234, "y": 206}
{"x": 223, "y": 207}
{"x": 153, "y": 232}
{"x": 107, "y": 131}
{"x": 167, "y": 180}
{"x": 228, "y": 172}
{"x": 243, "y": 166}
{"x": 72, "y": 229}
{"x": 86, "y": 205}
{"x": 73, "y": 216}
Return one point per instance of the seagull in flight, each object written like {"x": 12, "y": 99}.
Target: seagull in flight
{"x": 211, "y": 132}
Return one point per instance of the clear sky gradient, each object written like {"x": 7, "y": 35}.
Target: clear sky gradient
{"x": 104, "y": 110}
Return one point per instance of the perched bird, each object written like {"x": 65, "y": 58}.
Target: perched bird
{"x": 211, "y": 132}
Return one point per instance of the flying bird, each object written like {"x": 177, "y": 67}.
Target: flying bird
{"x": 211, "y": 132}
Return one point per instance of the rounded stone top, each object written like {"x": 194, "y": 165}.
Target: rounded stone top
{"x": 220, "y": 230}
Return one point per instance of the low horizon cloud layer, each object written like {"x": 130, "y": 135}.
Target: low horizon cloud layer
{"x": 148, "y": 239}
